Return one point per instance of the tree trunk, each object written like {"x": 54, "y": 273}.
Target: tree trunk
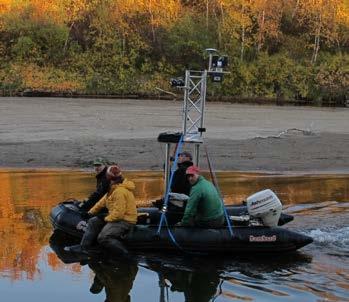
{"x": 242, "y": 43}
{"x": 316, "y": 48}
{"x": 67, "y": 40}
{"x": 207, "y": 11}
{"x": 316, "y": 42}
{"x": 242, "y": 50}
{"x": 295, "y": 9}
{"x": 261, "y": 30}
{"x": 152, "y": 20}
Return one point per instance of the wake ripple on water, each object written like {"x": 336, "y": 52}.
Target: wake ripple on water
{"x": 326, "y": 223}
{"x": 337, "y": 237}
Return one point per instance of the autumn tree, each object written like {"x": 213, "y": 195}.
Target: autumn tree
{"x": 324, "y": 20}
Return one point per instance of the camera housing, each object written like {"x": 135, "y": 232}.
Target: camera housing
{"x": 219, "y": 61}
{"x": 177, "y": 82}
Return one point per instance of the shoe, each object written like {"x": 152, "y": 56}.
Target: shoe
{"x": 84, "y": 262}
{"x": 78, "y": 249}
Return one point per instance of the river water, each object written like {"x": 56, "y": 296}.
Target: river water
{"x": 31, "y": 271}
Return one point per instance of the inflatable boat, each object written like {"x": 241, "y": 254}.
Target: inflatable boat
{"x": 254, "y": 228}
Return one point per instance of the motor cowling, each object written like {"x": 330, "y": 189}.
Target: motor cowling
{"x": 266, "y": 206}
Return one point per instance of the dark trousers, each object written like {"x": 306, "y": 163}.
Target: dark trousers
{"x": 94, "y": 227}
{"x": 214, "y": 223}
{"x": 106, "y": 234}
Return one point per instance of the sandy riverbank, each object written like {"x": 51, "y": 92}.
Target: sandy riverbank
{"x": 58, "y": 133}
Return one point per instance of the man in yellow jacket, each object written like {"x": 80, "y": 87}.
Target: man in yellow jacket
{"x": 121, "y": 217}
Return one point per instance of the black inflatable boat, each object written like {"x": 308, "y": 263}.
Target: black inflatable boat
{"x": 145, "y": 237}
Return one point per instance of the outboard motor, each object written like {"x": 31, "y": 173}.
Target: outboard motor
{"x": 266, "y": 206}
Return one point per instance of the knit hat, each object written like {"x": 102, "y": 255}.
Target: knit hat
{"x": 98, "y": 162}
{"x": 113, "y": 172}
{"x": 186, "y": 154}
{"x": 192, "y": 170}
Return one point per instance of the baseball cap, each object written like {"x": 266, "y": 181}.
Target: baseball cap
{"x": 192, "y": 170}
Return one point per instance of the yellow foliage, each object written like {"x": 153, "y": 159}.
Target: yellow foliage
{"x": 159, "y": 12}
{"x": 48, "y": 79}
{"x": 37, "y": 10}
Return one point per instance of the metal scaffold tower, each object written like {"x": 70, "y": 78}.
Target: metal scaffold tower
{"x": 195, "y": 86}
{"x": 194, "y": 105}
{"x": 194, "y": 108}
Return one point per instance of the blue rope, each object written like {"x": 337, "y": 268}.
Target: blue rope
{"x": 164, "y": 208}
{"x": 171, "y": 235}
{"x": 215, "y": 182}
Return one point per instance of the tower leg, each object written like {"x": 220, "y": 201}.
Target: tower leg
{"x": 167, "y": 166}
{"x": 197, "y": 154}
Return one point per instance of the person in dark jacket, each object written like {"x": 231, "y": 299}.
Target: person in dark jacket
{"x": 180, "y": 183}
{"x": 204, "y": 207}
{"x": 102, "y": 186}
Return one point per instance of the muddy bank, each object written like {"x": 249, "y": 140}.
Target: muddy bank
{"x": 321, "y": 153}
{"x": 58, "y": 133}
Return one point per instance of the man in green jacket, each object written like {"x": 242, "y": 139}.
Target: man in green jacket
{"x": 204, "y": 207}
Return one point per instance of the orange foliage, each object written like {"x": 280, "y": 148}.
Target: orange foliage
{"x": 48, "y": 79}
{"x": 4, "y": 5}
{"x": 46, "y": 10}
{"x": 158, "y": 12}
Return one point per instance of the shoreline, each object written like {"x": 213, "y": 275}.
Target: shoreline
{"x": 257, "y": 173}
{"x": 170, "y": 96}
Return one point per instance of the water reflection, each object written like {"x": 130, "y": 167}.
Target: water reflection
{"x": 116, "y": 279}
{"x": 116, "y": 276}
{"x": 196, "y": 285}
{"x": 318, "y": 202}
{"x": 197, "y": 279}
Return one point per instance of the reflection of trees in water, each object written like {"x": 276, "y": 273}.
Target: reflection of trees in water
{"x": 24, "y": 223}
{"x": 21, "y": 241}
{"x": 26, "y": 200}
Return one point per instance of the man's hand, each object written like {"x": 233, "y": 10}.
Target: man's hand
{"x": 81, "y": 204}
{"x": 85, "y": 215}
